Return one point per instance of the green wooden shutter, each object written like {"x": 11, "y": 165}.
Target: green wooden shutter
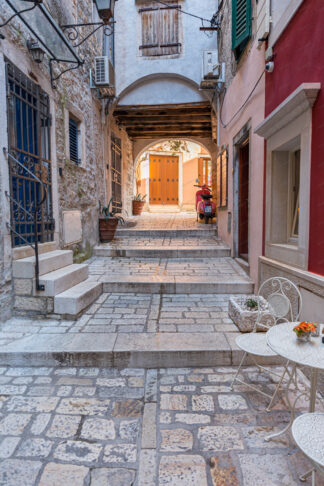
{"x": 241, "y": 21}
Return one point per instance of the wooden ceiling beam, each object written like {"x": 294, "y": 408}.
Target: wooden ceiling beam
{"x": 186, "y": 106}
{"x": 167, "y": 135}
{"x": 167, "y": 117}
{"x": 167, "y": 125}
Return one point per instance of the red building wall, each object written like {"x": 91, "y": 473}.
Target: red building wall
{"x": 299, "y": 58}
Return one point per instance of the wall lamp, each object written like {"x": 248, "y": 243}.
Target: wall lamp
{"x": 37, "y": 52}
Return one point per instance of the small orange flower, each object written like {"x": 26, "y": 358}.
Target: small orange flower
{"x": 304, "y": 327}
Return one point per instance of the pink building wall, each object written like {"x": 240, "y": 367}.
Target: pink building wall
{"x": 249, "y": 71}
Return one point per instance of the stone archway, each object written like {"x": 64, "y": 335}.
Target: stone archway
{"x": 197, "y": 158}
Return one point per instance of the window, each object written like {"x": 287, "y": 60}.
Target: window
{"x": 160, "y": 29}
{"x": 294, "y": 193}
{"x": 221, "y": 179}
{"x": 74, "y": 140}
{"x": 241, "y": 25}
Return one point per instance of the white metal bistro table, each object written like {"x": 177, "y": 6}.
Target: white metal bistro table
{"x": 283, "y": 341}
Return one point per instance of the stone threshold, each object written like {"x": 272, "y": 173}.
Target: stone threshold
{"x": 127, "y": 350}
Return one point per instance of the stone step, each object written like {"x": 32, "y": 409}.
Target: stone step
{"x": 27, "y": 251}
{"x": 157, "y": 284}
{"x": 167, "y": 233}
{"x": 133, "y": 350}
{"x": 48, "y": 262}
{"x": 63, "y": 279}
{"x": 74, "y": 300}
{"x": 160, "y": 251}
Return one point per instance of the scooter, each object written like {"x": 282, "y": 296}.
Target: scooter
{"x": 205, "y": 207}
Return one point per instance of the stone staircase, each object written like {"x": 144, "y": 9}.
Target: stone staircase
{"x": 68, "y": 288}
{"x": 169, "y": 261}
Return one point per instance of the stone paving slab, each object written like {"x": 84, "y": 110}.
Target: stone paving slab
{"x": 91, "y": 426}
{"x": 127, "y": 349}
{"x": 122, "y": 329}
{"x": 164, "y": 247}
{"x": 170, "y": 275}
{"x": 167, "y": 221}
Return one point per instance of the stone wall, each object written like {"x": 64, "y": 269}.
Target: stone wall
{"x": 73, "y": 187}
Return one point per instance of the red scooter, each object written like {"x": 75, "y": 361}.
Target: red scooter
{"x": 205, "y": 207}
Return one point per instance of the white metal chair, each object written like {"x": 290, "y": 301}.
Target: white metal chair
{"x": 308, "y": 433}
{"x": 284, "y": 305}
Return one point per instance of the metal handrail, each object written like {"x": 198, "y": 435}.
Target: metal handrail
{"x": 39, "y": 287}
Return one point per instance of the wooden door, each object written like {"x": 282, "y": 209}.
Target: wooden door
{"x": 164, "y": 179}
{"x": 244, "y": 201}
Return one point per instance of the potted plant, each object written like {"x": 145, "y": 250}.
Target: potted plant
{"x": 244, "y": 312}
{"x": 138, "y": 204}
{"x": 304, "y": 330}
{"x": 108, "y": 223}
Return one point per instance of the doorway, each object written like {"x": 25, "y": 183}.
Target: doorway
{"x": 164, "y": 179}
{"x": 243, "y": 200}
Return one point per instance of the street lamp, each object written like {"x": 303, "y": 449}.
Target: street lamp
{"x": 105, "y": 9}
{"x": 36, "y": 51}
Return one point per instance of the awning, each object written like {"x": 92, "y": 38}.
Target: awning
{"x": 44, "y": 28}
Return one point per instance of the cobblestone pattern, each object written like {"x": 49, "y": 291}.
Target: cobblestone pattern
{"x": 167, "y": 242}
{"x": 131, "y": 427}
{"x": 170, "y": 221}
{"x": 102, "y": 268}
{"x": 131, "y": 312}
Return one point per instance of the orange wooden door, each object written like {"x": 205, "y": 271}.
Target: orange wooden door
{"x": 164, "y": 179}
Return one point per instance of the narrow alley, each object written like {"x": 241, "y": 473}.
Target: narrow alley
{"x": 161, "y": 243}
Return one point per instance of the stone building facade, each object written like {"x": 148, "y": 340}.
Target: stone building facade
{"x": 76, "y": 186}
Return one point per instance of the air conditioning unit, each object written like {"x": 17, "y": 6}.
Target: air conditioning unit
{"x": 211, "y": 68}
{"x": 104, "y": 74}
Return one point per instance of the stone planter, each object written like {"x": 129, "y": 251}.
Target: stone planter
{"x": 107, "y": 229}
{"x": 243, "y": 317}
{"x": 138, "y": 207}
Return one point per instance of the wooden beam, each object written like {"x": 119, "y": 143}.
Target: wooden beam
{"x": 164, "y": 118}
{"x": 200, "y": 104}
{"x": 169, "y": 129}
{"x": 167, "y": 135}
{"x": 166, "y": 125}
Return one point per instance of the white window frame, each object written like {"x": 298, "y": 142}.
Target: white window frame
{"x": 286, "y": 129}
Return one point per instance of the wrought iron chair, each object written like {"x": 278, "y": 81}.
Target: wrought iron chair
{"x": 308, "y": 433}
{"x": 284, "y": 303}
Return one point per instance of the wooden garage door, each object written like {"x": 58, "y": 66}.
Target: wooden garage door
{"x": 164, "y": 179}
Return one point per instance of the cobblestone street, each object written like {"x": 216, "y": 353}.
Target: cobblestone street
{"x": 170, "y": 427}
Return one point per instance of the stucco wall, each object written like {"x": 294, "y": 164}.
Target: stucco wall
{"x": 298, "y": 59}
{"x": 242, "y": 79}
{"x": 131, "y": 66}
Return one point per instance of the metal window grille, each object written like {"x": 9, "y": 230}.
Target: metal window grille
{"x": 29, "y": 122}
{"x": 74, "y": 141}
{"x": 116, "y": 173}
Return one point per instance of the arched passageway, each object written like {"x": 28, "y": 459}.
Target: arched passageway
{"x": 167, "y": 171}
